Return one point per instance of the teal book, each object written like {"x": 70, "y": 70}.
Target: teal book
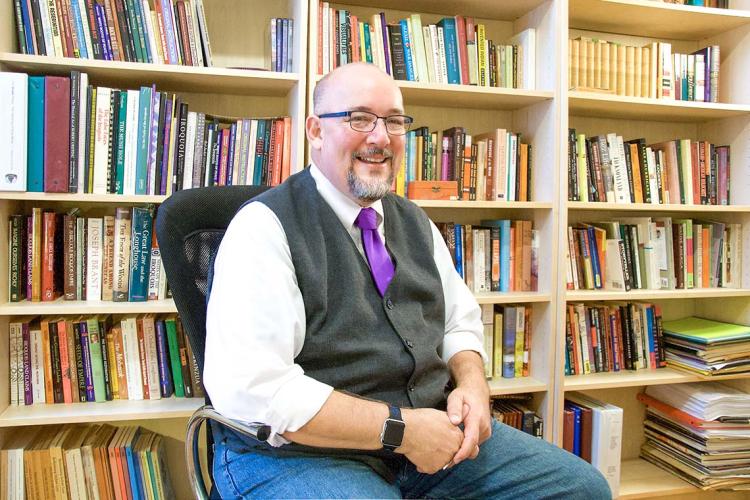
{"x": 450, "y": 40}
{"x": 140, "y": 254}
{"x": 144, "y": 138}
{"x": 97, "y": 362}
{"x": 174, "y": 357}
{"x": 35, "y": 136}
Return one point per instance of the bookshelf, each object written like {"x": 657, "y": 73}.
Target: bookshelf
{"x": 726, "y": 122}
{"x": 237, "y": 30}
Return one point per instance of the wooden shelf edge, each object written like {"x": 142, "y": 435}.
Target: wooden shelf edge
{"x": 82, "y": 197}
{"x": 61, "y": 306}
{"x": 111, "y": 411}
{"x": 642, "y": 479}
{"x": 500, "y": 205}
{"x": 510, "y": 297}
{"x": 626, "y": 378}
{"x": 648, "y": 207}
{"x": 695, "y": 293}
{"x": 500, "y": 386}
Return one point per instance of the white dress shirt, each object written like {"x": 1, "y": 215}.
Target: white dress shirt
{"x": 256, "y": 318}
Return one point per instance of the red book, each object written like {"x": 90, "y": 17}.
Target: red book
{"x": 568, "y": 429}
{"x": 223, "y": 156}
{"x": 354, "y": 37}
{"x": 48, "y": 257}
{"x": 286, "y": 157}
{"x": 56, "y": 134}
{"x": 62, "y": 338}
{"x": 184, "y": 35}
{"x": 278, "y": 126}
{"x": 463, "y": 53}
{"x": 66, "y": 31}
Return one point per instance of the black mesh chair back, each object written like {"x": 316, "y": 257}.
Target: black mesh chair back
{"x": 189, "y": 227}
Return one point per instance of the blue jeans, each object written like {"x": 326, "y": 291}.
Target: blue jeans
{"x": 511, "y": 464}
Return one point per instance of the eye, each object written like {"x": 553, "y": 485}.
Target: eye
{"x": 396, "y": 121}
{"x": 361, "y": 119}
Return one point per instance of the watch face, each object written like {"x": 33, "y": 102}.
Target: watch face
{"x": 393, "y": 433}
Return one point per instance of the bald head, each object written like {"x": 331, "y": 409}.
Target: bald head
{"x": 349, "y": 76}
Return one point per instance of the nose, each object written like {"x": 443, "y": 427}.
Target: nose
{"x": 379, "y": 135}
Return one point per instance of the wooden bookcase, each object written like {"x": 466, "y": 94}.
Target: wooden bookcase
{"x": 238, "y": 29}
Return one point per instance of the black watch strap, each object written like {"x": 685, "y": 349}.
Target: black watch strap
{"x": 394, "y": 413}
{"x": 393, "y": 429}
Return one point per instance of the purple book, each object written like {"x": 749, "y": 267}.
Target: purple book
{"x": 162, "y": 354}
{"x": 29, "y": 254}
{"x": 230, "y": 159}
{"x": 154, "y": 131}
{"x": 86, "y": 355}
{"x": 101, "y": 28}
{"x": 28, "y": 395}
{"x": 165, "y": 151}
{"x": 386, "y": 45}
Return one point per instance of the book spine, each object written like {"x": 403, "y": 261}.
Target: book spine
{"x": 140, "y": 254}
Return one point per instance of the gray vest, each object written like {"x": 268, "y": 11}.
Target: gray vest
{"x": 385, "y": 348}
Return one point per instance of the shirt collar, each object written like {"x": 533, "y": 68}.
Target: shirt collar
{"x": 343, "y": 206}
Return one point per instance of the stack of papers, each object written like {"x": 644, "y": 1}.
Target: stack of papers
{"x": 707, "y": 347}
{"x": 710, "y": 453}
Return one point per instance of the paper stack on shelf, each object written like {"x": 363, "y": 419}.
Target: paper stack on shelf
{"x": 707, "y": 347}
{"x": 699, "y": 432}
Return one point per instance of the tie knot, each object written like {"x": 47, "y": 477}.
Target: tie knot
{"x": 367, "y": 219}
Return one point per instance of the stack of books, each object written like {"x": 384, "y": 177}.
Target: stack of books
{"x": 513, "y": 410}
{"x": 699, "y": 432}
{"x": 592, "y": 430}
{"x": 84, "y": 461}
{"x": 507, "y": 340}
{"x": 706, "y": 347}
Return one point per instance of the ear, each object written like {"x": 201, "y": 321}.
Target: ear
{"x": 314, "y": 132}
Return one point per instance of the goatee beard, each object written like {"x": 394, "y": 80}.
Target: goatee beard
{"x": 370, "y": 190}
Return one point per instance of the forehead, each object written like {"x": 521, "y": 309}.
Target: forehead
{"x": 363, "y": 92}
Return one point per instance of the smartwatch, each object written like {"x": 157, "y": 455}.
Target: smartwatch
{"x": 393, "y": 429}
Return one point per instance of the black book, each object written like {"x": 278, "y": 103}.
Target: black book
{"x": 397, "y": 52}
{"x": 121, "y": 17}
{"x": 114, "y": 113}
{"x": 160, "y": 142}
{"x": 265, "y": 180}
{"x": 96, "y": 44}
{"x": 103, "y": 328}
{"x": 573, "y": 194}
{"x": 628, "y": 340}
{"x": 38, "y": 30}
{"x": 215, "y": 149}
{"x": 629, "y": 170}
{"x": 181, "y": 137}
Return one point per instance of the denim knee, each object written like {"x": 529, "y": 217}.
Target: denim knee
{"x": 588, "y": 479}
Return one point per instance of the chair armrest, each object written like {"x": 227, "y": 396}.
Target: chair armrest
{"x": 258, "y": 431}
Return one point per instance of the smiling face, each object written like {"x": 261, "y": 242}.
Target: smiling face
{"x": 361, "y": 165}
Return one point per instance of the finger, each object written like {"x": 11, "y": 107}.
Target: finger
{"x": 455, "y": 407}
{"x": 475, "y": 453}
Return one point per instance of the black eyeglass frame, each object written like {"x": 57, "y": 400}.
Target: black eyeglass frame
{"x": 408, "y": 120}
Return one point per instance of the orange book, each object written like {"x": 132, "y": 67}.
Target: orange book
{"x": 576, "y": 341}
{"x": 101, "y": 462}
{"x": 635, "y": 163}
{"x": 354, "y": 37}
{"x": 681, "y": 416}
{"x": 320, "y": 38}
{"x": 122, "y": 459}
{"x": 526, "y": 255}
{"x": 62, "y": 339}
{"x": 286, "y": 158}
{"x": 119, "y": 362}
{"x": 49, "y": 396}
{"x": 523, "y": 173}
{"x": 114, "y": 465}
{"x": 48, "y": 256}
{"x": 278, "y": 125}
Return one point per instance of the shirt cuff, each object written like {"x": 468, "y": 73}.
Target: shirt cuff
{"x": 455, "y": 342}
{"x": 295, "y": 404}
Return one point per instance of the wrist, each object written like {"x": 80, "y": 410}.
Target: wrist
{"x": 392, "y": 433}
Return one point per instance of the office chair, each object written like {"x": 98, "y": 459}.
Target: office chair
{"x": 189, "y": 227}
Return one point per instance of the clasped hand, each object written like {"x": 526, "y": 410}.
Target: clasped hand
{"x": 434, "y": 439}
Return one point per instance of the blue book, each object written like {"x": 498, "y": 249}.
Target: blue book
{"x": 230, "y": 156}
{"x": 509, "y": 341}
{"x": 162, "y": 354}
{"x": 26, "y": 19}
{"x": 101, "y": 27}
{"x": 35, "y": 136}
{"x": 504, "y": 243}
{"x": 140, "y": 254}
{"x": 458, "y": 232}
{"x": 144, "y": 124}
{"x": 407, "y": 50}
{"x": 368, "y": 46}
{"x": 450, "y": 40}
{"x": 595, "y": 264}
{"x": 78, "y": 22}
{"x": 86, "y": 358}
{"x": 142, "y": 35}
{"x": 576, "y": 430}
{"x": 650, "y": 332}
{"x": 133, "y": 465}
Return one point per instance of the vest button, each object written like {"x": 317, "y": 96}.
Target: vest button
{"x": 409, "y": 344}
{"x": 411, "y": 388}
{"x": 389, "y": 303}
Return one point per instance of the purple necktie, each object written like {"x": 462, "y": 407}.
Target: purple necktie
{"x": 381, "y": 265}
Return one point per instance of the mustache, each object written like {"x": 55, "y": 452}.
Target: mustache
{"x": 384, "y": 152}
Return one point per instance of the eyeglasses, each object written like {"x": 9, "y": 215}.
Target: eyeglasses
{"x": 364, "y": 121}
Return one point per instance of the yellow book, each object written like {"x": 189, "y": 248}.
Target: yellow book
{"x": 362, "y": 47}
{"x": 401, "y": 177}
{"x": 613, "y": 62}
{"x": 637, "y": 71}
{"x": 604, "y": 84}
{"x": 621, "y": 50}
{"x": 583, "y": 175}
{"x": 497, "y": 351}
{"x": 520, "y": 331}
{"x": 583, "y": 64}
{"x": 484, "y": 81}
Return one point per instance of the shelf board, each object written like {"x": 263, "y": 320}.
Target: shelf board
{"x": 61, "y": 306}
{"x": 637, "y": 378}
{"x": 510, "y": 297}
{"x": 694, "y": 293}
{"x": 500, "y": 386}
{"x": 642, "y": 479}
{"x": 99, "y": 412}
{"x": 648, "y": 207}
{"x": 642, "y": 108}
{"x": 510, "y": 205}
{"x": 165, "y": 76}
{"x": 83, "y": 198}
{"x": 654, "y": 19}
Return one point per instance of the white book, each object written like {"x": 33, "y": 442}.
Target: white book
{"x": 471, "y": 49}
{"x": 194, "y": 28}
{"x": 619, "y": 170}
{"x": 250, "y": 171}
{"x": 152, "y": 359}
{"x": 663, "y": 252}
{"x": 101, "y": 140}
{"x": 37, "y": 366}
{"x": 665, "y": 87}
{"x": 378, "y": 56}
{"x": 700, "y": 78}
{"x": 582, "y": 329}
{"x": 94, "y": 254}
{"x": 646, "y": 251}
{"x": 89, "y": 470}
{"x": 235, "y": 166}
{"x": 150, "y": 37}
{"x": 526, "y": 41}
{"x": 429, "y": 47}
{"x": 131, "y": 142}
{"x": 154, "y": 273}
{"x": 187, "y": 177}
{"x": 419, "y": 48}
{"x": 14, "y": 102}
{"x": 49, "y": 43}
{"x": 15, "y": 336}
{"x": 55, "y": 18}
{"x": 132, "y": 358}
{"x": 203, "y": 27}
{"x": 511, "y": 156}
{"x": 325, "y": 39}
{"x": 83, "y": 99}
{"x": 75, "y": 475}
{"x": 606, "y": 438}
{"x": 478, "y": 256}
{"x": 653, "y": 181}
{"x": 441, "y": 55}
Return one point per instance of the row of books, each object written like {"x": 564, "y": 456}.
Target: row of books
{"x": 652, "y": 71}
{"x": 114, "y": 258}
{"x": 513, "y": 410}
{"x": 85, "y": 461}
{"x": 613, "y": 337}
{"x": 707, "y": 347}
{"x": 657, "y": 253}
{"x": 496, "y": 256}
{"x": 489, "y": 166}
{"x": 455, "y": 50}
{"x": 592, "y": 430}
{"x": 281, "y": 41}
{"x": 700, "y": 432}
{"x": 720, "y": 4}
{"x": 98, "y": 359}
{"x": 78, "y": 138}
{"x": 605, "y": 168}
{"x": 507, "y": 340}
{"x": 169, "y": 32}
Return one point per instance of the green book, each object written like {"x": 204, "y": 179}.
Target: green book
{"x": 120, "y": 153}
{"x": 174, "y": 357}
{"x": 706, "y": 331}
{"x": 97, "y": 362}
